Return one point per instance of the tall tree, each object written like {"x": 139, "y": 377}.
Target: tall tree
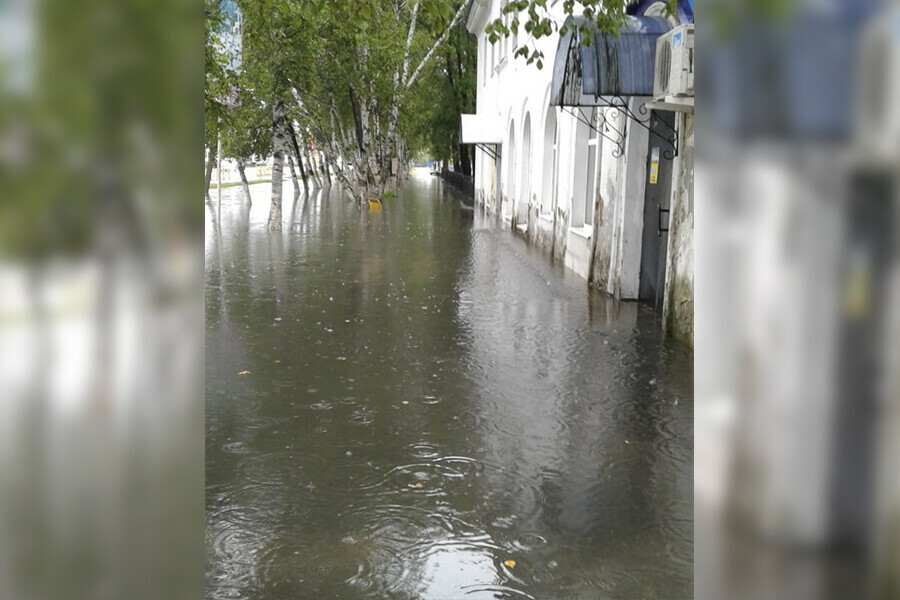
{"x": 344, "y": 69}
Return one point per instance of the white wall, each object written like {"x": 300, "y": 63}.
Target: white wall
{"x": 508, "y": 90}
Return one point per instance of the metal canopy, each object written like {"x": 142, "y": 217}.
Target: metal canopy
{"x": 479, "y": 129}
{"x": 610, "y": 68}
{"x": 483, "y": 131}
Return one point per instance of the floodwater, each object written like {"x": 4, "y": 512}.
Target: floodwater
{"x": 413, "y": 403}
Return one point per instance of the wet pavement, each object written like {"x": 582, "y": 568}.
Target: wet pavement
{"x": 416, "y": 404}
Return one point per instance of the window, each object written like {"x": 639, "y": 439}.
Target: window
{"x": 584, "y": 178}
{"x": 555, "y": 178}
{"x": 493, "y": 58}
{"x": 505, "y": 41}
{"x": 550, "y": 161}
{"x": 484, "y": 60}
{"x": 515, "y": 35}
{"x": 591, "y": 183}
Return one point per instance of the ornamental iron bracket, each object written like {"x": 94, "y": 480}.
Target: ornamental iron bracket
{"x": 488, "y": 149}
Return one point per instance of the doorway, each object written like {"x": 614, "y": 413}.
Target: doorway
{"x": 657, "y": 193}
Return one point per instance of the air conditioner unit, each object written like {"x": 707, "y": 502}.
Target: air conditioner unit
{"x": 674, "y": 74}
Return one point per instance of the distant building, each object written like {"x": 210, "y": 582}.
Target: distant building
{"x": 577, "y": 158}
{"x": 231, "y": 38}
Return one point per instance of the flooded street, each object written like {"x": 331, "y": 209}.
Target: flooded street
{"x": 415, "y": 404}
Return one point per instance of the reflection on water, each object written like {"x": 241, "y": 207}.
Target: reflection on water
{"x": 426, "y": 398}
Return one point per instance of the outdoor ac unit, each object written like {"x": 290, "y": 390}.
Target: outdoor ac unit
{"x": 674, "y": 63}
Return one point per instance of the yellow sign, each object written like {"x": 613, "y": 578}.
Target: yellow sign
{"x": 654, "y": 165}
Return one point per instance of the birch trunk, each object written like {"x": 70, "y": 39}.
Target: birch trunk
{"x": 278, "y": 144}
{"x": 324, "y": 162}
{"x": 303, "y": 174}
{"x": 290, "y": 162}
{"x": 459, "y": 13}
{"x": 317, "y": 183}
{"x": 394, "y": 116}
{"x": 299, "y": 159}
{"x": 244, "y": 183}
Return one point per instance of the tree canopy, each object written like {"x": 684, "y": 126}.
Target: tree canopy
{"x": 364, "y": 81}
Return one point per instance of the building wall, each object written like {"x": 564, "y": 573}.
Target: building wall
{"x": 522, "y": 193}
{"x": 678, "y": 308}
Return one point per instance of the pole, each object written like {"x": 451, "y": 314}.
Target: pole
{"x": 219, "y": 171}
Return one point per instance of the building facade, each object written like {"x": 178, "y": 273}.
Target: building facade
{"x": 604, "y": 189}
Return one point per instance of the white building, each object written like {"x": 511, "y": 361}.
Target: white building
{"x": 588, "y": 182}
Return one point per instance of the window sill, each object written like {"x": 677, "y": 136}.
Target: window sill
{"x": 548, "y": 217}
{"x": 585, "y": 231}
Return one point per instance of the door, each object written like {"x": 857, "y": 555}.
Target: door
{"x": 656, "y": 208}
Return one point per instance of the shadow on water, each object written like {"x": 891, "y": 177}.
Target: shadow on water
{"x": 412, "y": 404}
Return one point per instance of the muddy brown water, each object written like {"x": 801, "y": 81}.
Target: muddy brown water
{"x": 416, "y": 404}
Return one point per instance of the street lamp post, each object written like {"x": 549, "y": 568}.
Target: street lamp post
{"x": 219, "y": 172}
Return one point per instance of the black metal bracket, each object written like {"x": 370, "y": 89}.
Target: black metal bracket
{"x": 641, "y": 117}
{"x": 659, "y": 227}
{"x": 488, "y": 149}
{"x": 606, "y": 127}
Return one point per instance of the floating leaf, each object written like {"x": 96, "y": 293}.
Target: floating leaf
{"x": 509, "y": 563}
{"x": 277, "y": 361}
{"x": 244, "y": 373}
{"x": 417, "y": 485}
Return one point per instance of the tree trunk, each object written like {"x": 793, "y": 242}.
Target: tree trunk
{"x": 244, "y": 183}
{"x": 323, "y": 160}
{"x": 278, "y": 144}
{"x": 298, "y": 156}
{"x": 317, "y": 183}
{"x": 290, "y": 161}
{"x": 464, "y": 165}
{"x": 366, "y": 166}
{"x": 209, "y": 167}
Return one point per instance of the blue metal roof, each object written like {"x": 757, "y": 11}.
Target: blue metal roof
{"x": 610, "y": 66}
{"x": 684, "y": 9}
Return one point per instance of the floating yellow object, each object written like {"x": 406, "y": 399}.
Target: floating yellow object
{"x": 374, "y": 204}
{"x": 509, "y": 563}
{"x": 244, "y": 373}
{"x": 417, "y": 485}
{"x": 277, "y": 361}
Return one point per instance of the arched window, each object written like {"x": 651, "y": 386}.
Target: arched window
{"x": 585, "y": 182}
{"x": 525, "y": 188}
{"x": 510, "y": 159}
{"x": 590, "y": 187}
{"x": 506, "y": 20}
{"x": 485, "y": 60}
{"x": 551, "y": 162}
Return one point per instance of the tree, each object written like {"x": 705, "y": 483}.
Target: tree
{"x": 448, "y": 91}
{"x": 342, "y": 70}
{"x": 216, "y": 87}
{"x": 247, "y": 133}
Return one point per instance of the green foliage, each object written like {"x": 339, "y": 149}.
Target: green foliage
{"x": 533, "y": 16}
{"x": 338, "y": 66}
{"x": 216, "y": 87}
{"x": 388, "y": 195}
{"x": 448, "y": 90}
{"x": 102, "y": 122}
